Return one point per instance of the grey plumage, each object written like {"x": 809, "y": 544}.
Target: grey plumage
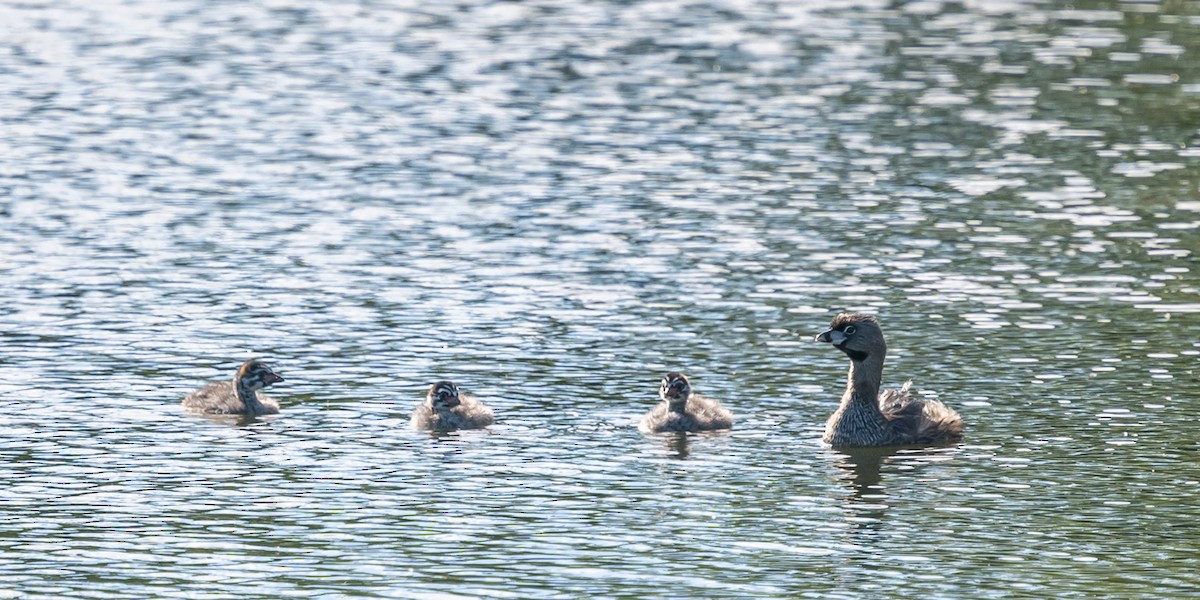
{"x": 870, "y": 417}
{"x": 446, "y": 408}
{"x": 683, "y": 410}
{"x": 241, "y": 396}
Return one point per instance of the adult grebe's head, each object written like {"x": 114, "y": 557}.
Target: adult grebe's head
{"x": 675, "y": 389}
{"x": 856, "y": 334}
{"x": 256, "y": 375}
{"x": 443, "y": 395}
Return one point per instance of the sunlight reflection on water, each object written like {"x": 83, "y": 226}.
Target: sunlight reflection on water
{"x": 554, "y": 204}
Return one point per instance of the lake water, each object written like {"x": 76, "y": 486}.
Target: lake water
{"x": 553, "y": 203}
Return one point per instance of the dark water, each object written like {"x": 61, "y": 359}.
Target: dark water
{"x": 553, "y": 203}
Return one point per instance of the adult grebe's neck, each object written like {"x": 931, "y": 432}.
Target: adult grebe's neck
{"x": 248, "y": 395}
{"x": 863, "y": 381}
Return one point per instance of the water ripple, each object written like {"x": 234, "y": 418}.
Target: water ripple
{"x": 553, "y": 204}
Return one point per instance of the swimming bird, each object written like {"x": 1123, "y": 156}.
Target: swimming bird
{"x": 682, "y": 410}
{"x": 446, "y": 408}
{"x": 241, "y": 396}
{"x": 870, "y": 417}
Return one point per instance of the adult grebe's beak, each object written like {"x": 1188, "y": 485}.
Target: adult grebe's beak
{"x": 832, "y": 336}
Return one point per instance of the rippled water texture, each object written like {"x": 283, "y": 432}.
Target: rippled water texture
{"x": 553, "y": 203}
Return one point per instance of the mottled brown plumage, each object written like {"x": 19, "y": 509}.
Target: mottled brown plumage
{"x": 241, "y": 396}
{"x": 869, "y": 417}
{"x": 445, "y": 408}
{"x": 682, "y": 410}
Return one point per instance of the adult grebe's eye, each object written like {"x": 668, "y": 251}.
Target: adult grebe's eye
{"x": 849, "y": 330}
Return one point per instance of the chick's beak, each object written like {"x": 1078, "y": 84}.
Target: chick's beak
{"x": 271, "y": 378}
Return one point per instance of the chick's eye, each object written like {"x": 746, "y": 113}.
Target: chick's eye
{"x": 849, "y": 330}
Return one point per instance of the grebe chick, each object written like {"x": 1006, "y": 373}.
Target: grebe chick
{"x": 682, "y": 410}
{"x": 445, "y": 408}
{"x": 241, "y": 396}
{"x": 870, "y": 417}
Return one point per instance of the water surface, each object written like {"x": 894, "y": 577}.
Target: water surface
{"x": 553, "y": 203}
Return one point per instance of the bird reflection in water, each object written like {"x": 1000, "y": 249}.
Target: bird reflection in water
{"x": 677, "y": 444}
{"x": 862, "y": 469}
